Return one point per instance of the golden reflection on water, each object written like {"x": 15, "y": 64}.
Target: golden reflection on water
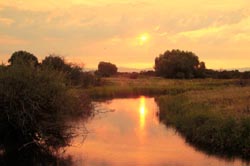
{"x": 131, "y": 135}
{"x": 143, "y": 112}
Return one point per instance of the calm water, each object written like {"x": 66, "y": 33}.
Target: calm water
{"x": 131, "y": 135}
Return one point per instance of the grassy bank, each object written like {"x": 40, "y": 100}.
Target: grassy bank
{"x": 217, "y": 121}
{"x": 116, "y": 87}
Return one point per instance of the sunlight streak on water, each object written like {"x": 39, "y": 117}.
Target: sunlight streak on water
{"x": 143, "y": 112}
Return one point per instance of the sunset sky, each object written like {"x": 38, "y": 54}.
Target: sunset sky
{"x": 128, "y": 33}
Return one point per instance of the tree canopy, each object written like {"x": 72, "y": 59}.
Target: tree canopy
{"x": 179, "y": 64}
{"x": 74, "y": 74}
{"x": 106, "y": 69}
{"x": 56, "y": 62}
{"x": 23, "y": 57}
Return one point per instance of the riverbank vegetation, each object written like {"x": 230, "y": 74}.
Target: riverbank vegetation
{"x": 217, "y": 121}
{"x": 37, "y": 102}
{"x": 124, "y": 86}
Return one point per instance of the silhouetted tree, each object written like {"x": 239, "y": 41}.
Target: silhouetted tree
{"x": 74, "y": 74}
{"x": 228, "y": 74}
{"x": 23, "y": 57}
{"x": 223, "y": 74}
{"x": 200, "y": 72}
{"x": 56, "y": 62}
{"x": 179, "y": 64}
{"x": 246, "y": 75}
{"x": 106, "y": 69}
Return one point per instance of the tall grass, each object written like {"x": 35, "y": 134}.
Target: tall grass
{"x": 214, "y": 120}
{"x": 150, "y": 86}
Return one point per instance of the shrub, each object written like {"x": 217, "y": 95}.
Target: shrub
{"x": 133, "y": 75}
{"x": 36, "y": 105}
{"x": 106, "y": 69}
{"x": 74, "y": 74}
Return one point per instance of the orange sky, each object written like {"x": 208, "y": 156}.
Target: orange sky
{"x": 129, "y": 33}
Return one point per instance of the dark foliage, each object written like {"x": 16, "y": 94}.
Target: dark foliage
{"x": 134, "y": 75}
{"x": 20, "y": 57}
{"x": 36, "y": 105}
{"x": 106, "y": 69}
{"x": 148, "y": 73}
{"x": 227, "y": 74}
{"x": 179, "y": 64}
{"x": 245, "y": 75}
{"x": 56, "y": 63}
{"x": 74, "y": 74}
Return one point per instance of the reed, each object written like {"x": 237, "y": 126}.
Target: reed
{"x": 217, "y": 121}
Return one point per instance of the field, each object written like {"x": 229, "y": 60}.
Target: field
{"x": 116, "y": 87}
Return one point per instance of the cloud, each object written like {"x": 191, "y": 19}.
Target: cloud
{"x": 6, "y": 21}
{"x": 221, "y": 30}
{"x": 202, "y": 32}
{"x": 6, "y": 40}
{"x": 108, "y": 29}
{"x": 51, "y": 5}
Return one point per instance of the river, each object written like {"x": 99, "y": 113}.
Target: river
{"x": 128, "y": 133}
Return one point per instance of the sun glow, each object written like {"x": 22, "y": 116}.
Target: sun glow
{"x": 142, "y": 111}
{"x": 143, "y": 38}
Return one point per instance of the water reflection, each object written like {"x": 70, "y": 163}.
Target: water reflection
{"x": 142, "y": 111}
{"x": 131, "y": 136}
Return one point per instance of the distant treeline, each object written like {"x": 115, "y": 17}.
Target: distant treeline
{"x": 177, "y": 64}
{"x": 185, "y": 64}
{"x": 210, "y": 73}
{"x": 174, "y": 64}
{"x": 227, "y": 74}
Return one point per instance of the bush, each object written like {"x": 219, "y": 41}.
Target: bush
{"x": 246, "y": 75}
{"x": 106, "y": 69}
{"x": 36, "y": 105}
{"x": 133, "y": 75}
{"x": 74, "y": 74}
{"x": 56, "y": 63}
{"x": 147, "y": 73}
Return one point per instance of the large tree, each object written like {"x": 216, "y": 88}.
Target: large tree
{"x": 23, "y": 57}
{"x": 179, "y": 64}
{"x": 106, "y": 69}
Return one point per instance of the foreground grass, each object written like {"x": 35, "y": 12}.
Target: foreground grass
{"x": 116, "y": 87}
{"x": 217, "y": 121}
